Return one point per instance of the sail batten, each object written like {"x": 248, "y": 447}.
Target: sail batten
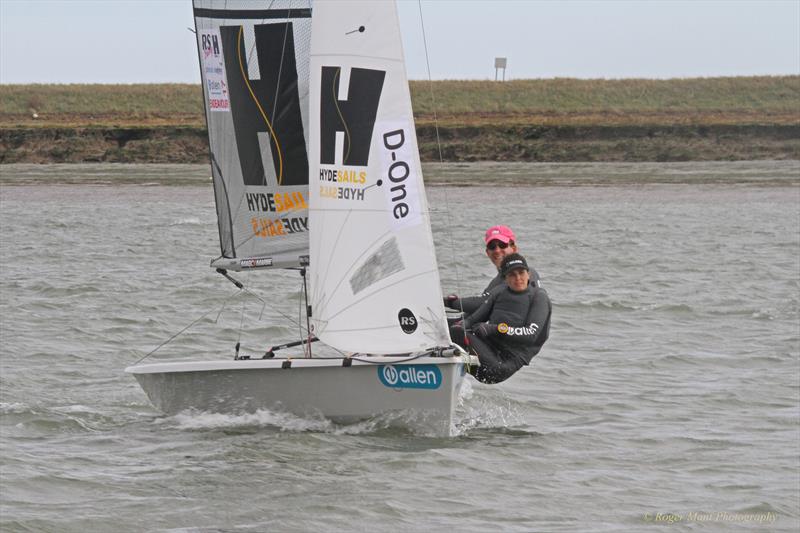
{"x": 375, "y": 283}
{"x": 247, "y": 14}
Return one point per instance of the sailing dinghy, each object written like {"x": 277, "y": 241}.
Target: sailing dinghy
{"x": 315, "y": 167}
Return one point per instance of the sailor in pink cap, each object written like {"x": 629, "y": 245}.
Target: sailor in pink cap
{"x": 500, "y": 242}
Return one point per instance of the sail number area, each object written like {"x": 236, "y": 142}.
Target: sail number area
{"x": 277, "y": 203}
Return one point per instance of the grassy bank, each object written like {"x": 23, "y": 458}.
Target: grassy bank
{"x": 745, "y": 100}
{"x": 772, "y": 95}
{"x": 525, "y": 120}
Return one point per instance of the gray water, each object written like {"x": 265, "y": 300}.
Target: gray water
{"x": 668, "y": 393}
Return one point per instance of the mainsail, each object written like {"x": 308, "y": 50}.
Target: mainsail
{"x": 375, "y": 283}
{"x": 255, "y": 70}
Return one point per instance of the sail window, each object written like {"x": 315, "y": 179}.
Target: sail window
{"x": 380, "y": 265}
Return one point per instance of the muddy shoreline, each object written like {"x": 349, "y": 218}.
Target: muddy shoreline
{"x": 524, "y": 143}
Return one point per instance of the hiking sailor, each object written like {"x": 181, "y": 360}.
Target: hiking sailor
{"x": 509, "y": 328}
{"x": 500, "y": 242}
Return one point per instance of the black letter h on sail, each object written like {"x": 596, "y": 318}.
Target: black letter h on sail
{"x": 270, "y": 105}
{"x": 354, "y": 117}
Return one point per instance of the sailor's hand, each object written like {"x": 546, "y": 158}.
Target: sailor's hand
{"x": 451, "y": 301}
{"x": 483, "y": 330}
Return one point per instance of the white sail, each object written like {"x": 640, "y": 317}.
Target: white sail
{"x": 254, "y": 66}
{"x": 374, "y": 281}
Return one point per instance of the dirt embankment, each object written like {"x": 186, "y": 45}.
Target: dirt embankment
{"x": 486, "y": 142}
{"x": 612, "y": 143}
{"x": 109, "y": 145}
{"x": 558, "y": 120}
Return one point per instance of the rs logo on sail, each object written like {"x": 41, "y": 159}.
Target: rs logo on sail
{"x": 210, "y": 44}
{"x": 410, "y": 376}
{"x": 408, "y": 322}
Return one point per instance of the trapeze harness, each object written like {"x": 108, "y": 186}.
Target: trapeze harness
{"x": 517, "y": 325}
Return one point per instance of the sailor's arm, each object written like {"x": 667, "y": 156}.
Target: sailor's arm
{"x": 482, "y": 314}
{"x": 470, "y": 304}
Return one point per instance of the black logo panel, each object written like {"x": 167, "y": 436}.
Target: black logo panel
{"x": 408, "y": 322}
{"x": 355, "y": 117}
{"x": 273, "y": 100}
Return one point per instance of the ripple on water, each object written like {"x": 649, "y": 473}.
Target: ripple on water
{"x": 669, "y": 383}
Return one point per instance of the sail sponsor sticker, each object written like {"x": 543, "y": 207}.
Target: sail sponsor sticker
{"x": 408, "y": 322}
{"x": 505, "y": 329}
{"x": 342, "y": 183}
{"x": 214, "y": 70}
{"x": 410, "y": 376}
{"x": 255, "y": 262}
{"x": 398, "y": 173}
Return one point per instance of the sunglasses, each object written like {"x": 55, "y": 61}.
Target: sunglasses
{"x": 498, "y": 244}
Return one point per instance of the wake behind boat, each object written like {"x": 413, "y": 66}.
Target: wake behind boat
{"x": 315, "y": 166}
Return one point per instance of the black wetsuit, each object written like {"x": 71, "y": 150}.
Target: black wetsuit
{"x": 470, "y": 304}
{"x": 518, "y": 326}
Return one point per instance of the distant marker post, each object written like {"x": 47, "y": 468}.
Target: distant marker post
{"x": 500, "y": 64}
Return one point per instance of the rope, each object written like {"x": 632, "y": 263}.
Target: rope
{"x": 441, "y": 159}
{"x": 219, "y": 313}
{"x": 280, "y": 70}
{"x": 300, "y": 321}
{"x": 187, "y": 327}
{"x": 241, "y": 325}
{"x": 260, "y": 299}
{"x": 430, "y": 82}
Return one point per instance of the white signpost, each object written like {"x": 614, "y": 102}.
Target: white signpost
{"x": 500, "y": 63}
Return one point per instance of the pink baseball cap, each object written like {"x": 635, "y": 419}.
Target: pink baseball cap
{"x": 499, "y": 233}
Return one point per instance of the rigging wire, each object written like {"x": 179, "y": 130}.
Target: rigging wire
{"x": 241, "y": 326}
{"x": 308, "y": 313}
{"x": 441, "y": 159}
{"x": 219, "y": 312}
{"x": 225, "y": 301}
{"x": 280, "y": 70}
{"x": 300, "y": 322}
{"x": 260, "y": 299}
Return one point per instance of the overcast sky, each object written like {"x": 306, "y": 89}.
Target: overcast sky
{"x": 146, "y": 41}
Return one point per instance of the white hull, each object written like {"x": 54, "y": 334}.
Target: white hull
{"x": 425, "y": 388}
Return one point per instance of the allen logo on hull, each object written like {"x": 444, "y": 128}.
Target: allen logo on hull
{"x": 410, "y": 376}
